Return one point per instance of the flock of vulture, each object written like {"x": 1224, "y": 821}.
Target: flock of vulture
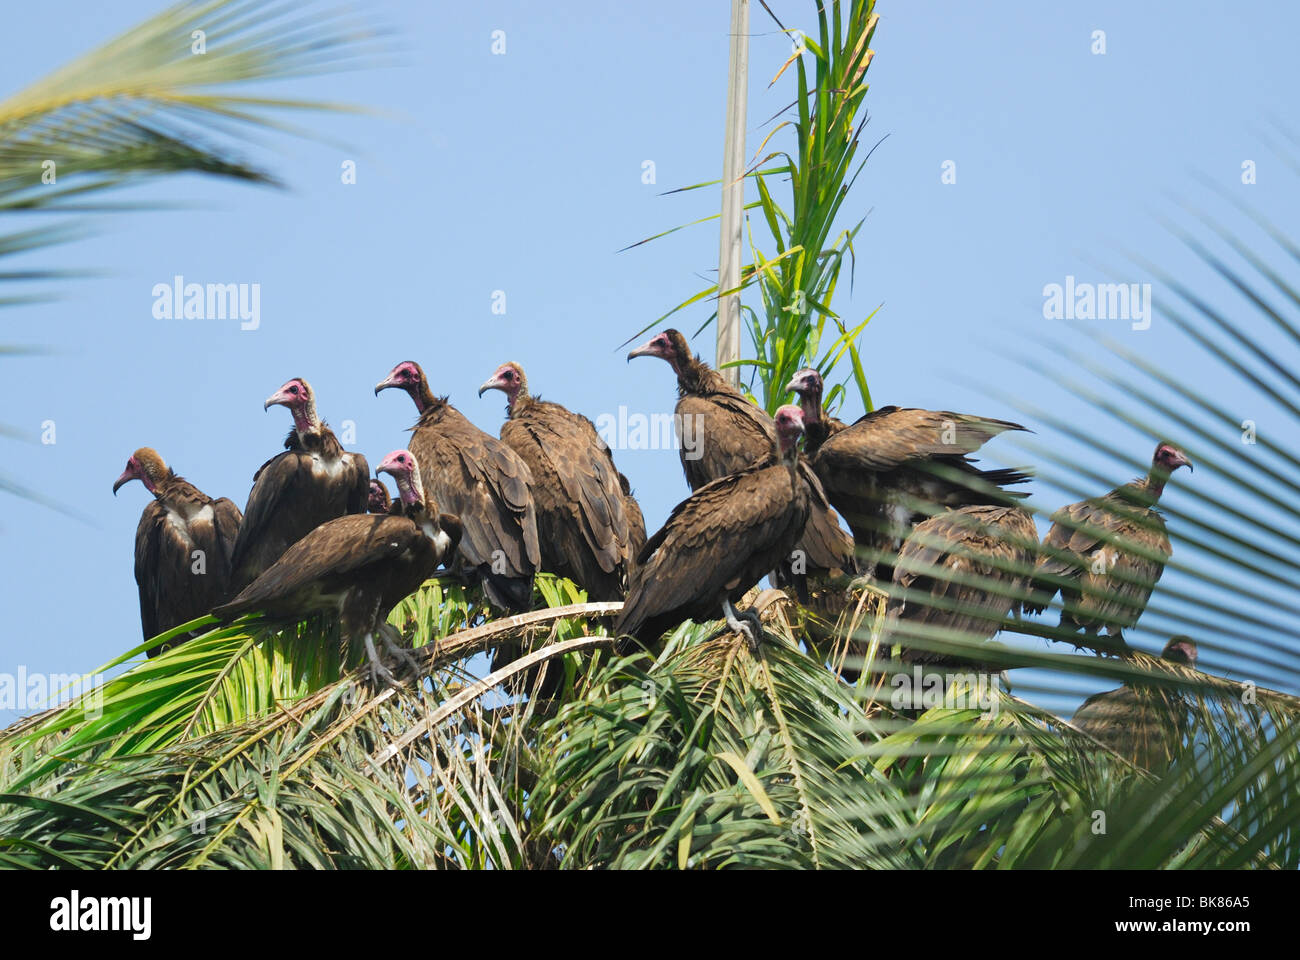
{"x": 944, "y": 536}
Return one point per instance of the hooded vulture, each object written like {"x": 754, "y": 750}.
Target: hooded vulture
{"x": 723, "y": 432}
{"x": 381, "y": 501}
{"x": 582, "y": 523}
{"x": 182, "y": 546}
{"x": 1105, "y": 555}
{"x": 721, "y": 541}
{"x": 635, "y": 518}
{"x": 357, "y": 567}
{"x": 480, "y": 479}
{"x": 958, "y": 576}
{"x": 897, "y": 466}
{"x": 293, "y": 493}
{"x": 1144, "y": 723}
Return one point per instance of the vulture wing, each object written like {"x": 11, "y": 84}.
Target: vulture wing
{"x": 716, "y": 544}
{"x": 298, "y": 582}
{"x": 480, "y": 479}
{"x": 1105, "y": 555}
{"x": 1145, "y": 726}
{"x": 960, "y": 573}
{"x": 721, "y": 434}
{"x": 182, "y": 557}
{"x": 293, "y": 493}
{"x": 580, "y": 505}
{"x": 891, "y": 436}
{"x": 635, "y": 520}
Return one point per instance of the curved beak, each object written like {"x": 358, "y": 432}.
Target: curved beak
{"x": 127, "y": 476}
{"x": 493, "y": 384}
{"x": 792, "y": 386}
{"x": 384, "y": 384}
{"x": 646, "y": 349}
{"x": 279, "y": 397}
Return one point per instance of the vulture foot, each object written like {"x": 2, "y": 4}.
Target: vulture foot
{"x": 746, "y": 624}
{"x": 388, "y": 633}
{"x": 378, "y": 671}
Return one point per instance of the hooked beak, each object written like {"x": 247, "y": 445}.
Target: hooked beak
{"x": 127, "y": 476}
{"x": 384, "y": 384}
{"x": 645, "y": 350}
{"x": 493, "y": 384}
{"x": 793, "y": 386}
{"x": 279, "y": 397}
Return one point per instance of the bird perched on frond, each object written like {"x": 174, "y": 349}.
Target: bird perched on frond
{"x": 1105, "y": 555}
{"x": 358, "y": 567}
{"x": 183, "y": 546}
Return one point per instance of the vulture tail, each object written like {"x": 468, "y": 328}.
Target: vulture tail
{"x": 509, "y": 593}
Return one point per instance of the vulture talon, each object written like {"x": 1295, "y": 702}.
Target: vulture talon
{"x": 747, "y": 624}
{"x": 387, "y": 632}
{"x": 378, "y": 671}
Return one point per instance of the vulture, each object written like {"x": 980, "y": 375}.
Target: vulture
{"x": 582, "y": 519}
{"x": 958, "y": 575}
{"x": 818, "y": 428}
{"x": 721, "y": 541}
{"x": 182, "y": 546}
{"x": 1145, "y": 723}
{"x": 381, "y": 501}
{"x": 723, "y": 432}
{"x": 1105, "y": 555}
{"x": 479, "y": 478}
{"x": 896, "y": 466}
{"x": 294, "y": 492}
{"x": 635, "y": 518}
{"x": 358, "y": 566}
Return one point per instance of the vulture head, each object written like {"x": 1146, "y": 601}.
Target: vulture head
{"x": 510, "y": 380}
{"x": 1169, "y": 458}
{"x": 1180, "y": 650}
{"x": 407, "y": 376}
{"x": 297, "y": 395}
{"x": 669, "y": 345}
{"x": 380, "y": 500}
{"x": 401, "y": 465}
{"x": 789, "y": 428}
{"x": 146, "y": 466}
{"x": 807, "y": 383}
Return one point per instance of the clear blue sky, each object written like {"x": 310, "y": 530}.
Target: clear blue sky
{"x": 523, "y": 173}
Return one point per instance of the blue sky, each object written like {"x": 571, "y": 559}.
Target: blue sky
{"x": 523, "y": 173}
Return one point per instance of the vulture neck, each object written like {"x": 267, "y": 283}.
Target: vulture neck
{"x": 1153, "y": 484}
{"x": 305, "y": 421}
{"x": 423, "y": 396}
{"x": 697, "y": 378}
{"x": 162, "y": 486}
{"x": 521, "y": 403}
{"x": 816, "y": 430}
